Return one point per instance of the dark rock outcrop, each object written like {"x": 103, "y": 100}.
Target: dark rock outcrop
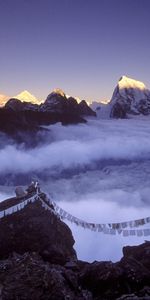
{"x": 37, "y": 261}
{"x": 107, "y": 280}
{"x": 28, "y": 277}
{"x": 36, "y": 230}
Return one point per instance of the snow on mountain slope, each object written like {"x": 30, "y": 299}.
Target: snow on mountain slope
{"x": 126, "y": 82}
{"x": 130, "y": 88}
{"x": 3, "y": 100}
{"x": 25, "y": 96}
{"x": 130, "y": 96}
{"x": 102, "y": 110}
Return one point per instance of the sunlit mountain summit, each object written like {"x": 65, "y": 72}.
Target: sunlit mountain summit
{"x": 59, "y": 91}
{"x": 126, "y": 82}
{"x": 131, "y": 89}
{"x": 3, "y": 99}
{"x": 25, "y": 96}
{"x": 130, "y": 97}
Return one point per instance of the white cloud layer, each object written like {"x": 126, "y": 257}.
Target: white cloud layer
{"x": 80, "y": 145}
{"x": 115, "y": 186}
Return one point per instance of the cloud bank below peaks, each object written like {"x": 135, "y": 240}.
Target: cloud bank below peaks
{"x": 80, "y": 145}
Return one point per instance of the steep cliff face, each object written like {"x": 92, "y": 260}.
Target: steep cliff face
{"x": 130, "y": 97}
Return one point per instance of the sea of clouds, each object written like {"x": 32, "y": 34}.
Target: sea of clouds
{"x": 102, "y": 174}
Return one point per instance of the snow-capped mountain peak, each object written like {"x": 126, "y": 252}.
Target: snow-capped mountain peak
{"x": 25, "y": 96}
{"x": 130, "y": 88}
{"x": 3, "y": 99}
{"x": 126, "y": 82}
{"x": 59, "y": 92}
{"x": 130, "y": 96}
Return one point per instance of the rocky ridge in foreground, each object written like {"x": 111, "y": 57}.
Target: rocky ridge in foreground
{"x": 37, "y": 261}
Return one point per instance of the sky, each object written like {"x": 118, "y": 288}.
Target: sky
{"x": 82, "y": 46}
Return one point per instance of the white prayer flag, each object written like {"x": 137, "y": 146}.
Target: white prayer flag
{"x": 132, "y": 232}
{"x": 124, "y": 224}
{"x": 112, "y": 231}
{"x": 148, "y": 220}
{"x": 106, "y": 231}
{"x": 125, "y": 232}
{"x": 139, "y": 232}
{"x": 100, "y": 229}
{"x": 146, "y": 231}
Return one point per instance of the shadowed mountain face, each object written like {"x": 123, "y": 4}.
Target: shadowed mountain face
{"x": 55, "y": 103}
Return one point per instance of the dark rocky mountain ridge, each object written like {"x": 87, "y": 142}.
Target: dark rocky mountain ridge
{"x": 18, "y": 118}
{"x": 37, "y": 261}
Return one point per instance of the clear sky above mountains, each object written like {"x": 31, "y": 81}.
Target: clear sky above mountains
{"x": 81, "y": 46}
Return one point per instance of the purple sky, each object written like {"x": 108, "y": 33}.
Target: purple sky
{"x": 81, "y": 46}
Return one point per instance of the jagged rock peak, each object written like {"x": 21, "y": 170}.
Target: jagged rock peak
{"x": 59, "y": 92}
{"x": 25, "y": 96}
{"x": 55, "y": 96}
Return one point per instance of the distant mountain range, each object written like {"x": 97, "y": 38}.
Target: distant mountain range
{"x": 24, "y": 96}
{"x": 56, "y": 102}
{"x": 25, "y": 117}
{"x": 130, "y": 97}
